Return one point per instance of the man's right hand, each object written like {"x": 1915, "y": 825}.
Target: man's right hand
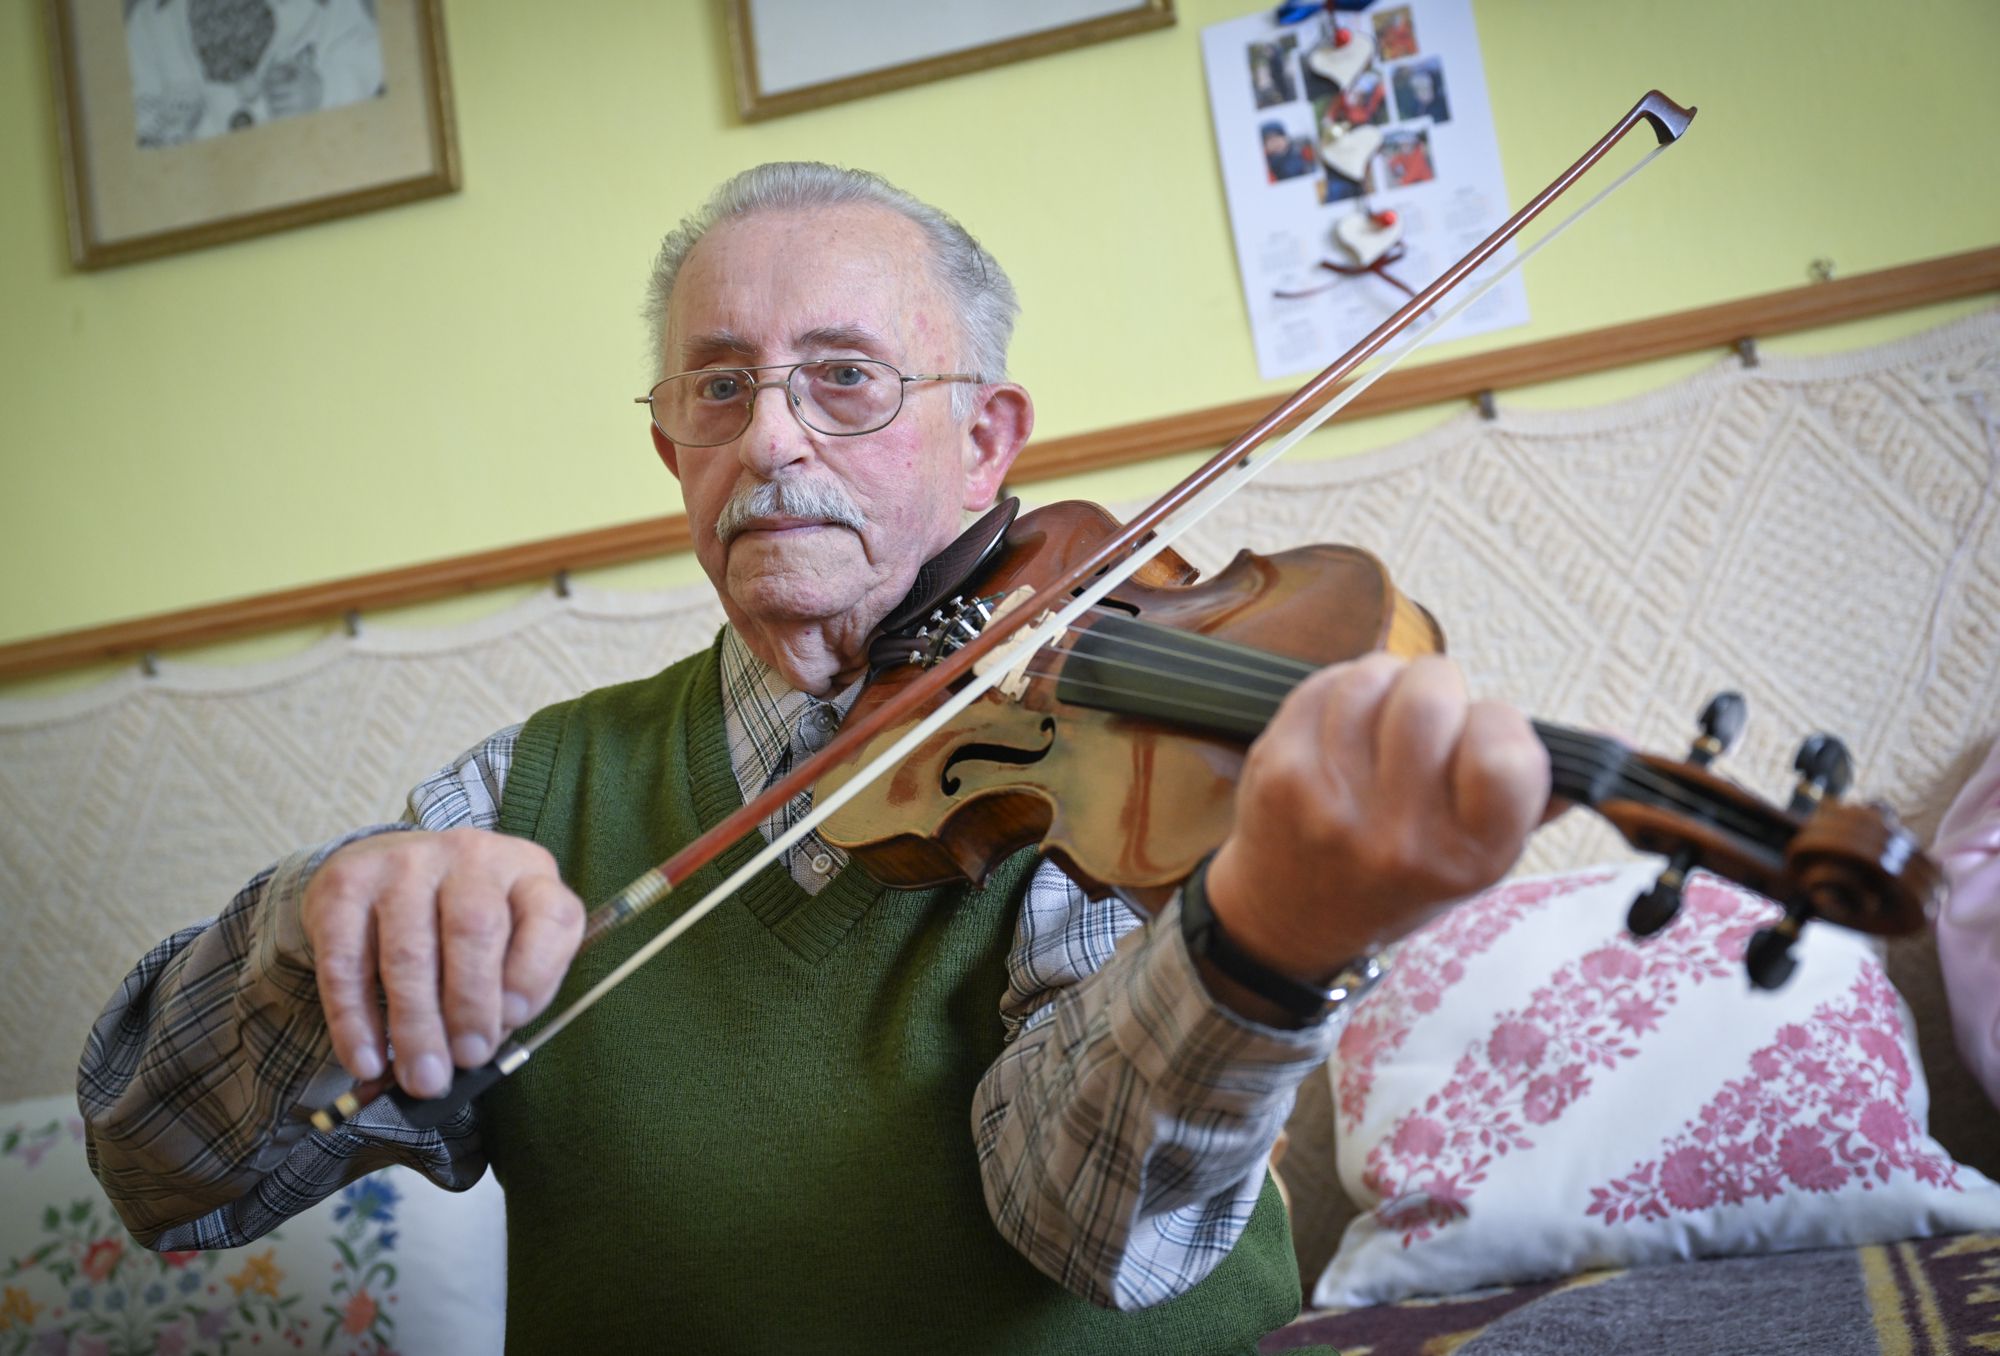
{"x": 464, "y": 934}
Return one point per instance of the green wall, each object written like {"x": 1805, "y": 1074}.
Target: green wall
{"x": 456, "y": 375}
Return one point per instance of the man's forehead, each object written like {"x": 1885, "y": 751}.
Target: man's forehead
{"x": 854, "y": 276}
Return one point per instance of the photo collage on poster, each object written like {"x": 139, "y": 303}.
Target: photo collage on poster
{"x": 1358, "y": 158}
{"x": 1310, "y": 104}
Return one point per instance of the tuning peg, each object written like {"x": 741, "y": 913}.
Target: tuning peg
{"x": 1768, "y": 958}
{"x": 1825, "y": 769}
{"x": 1721, "y": 726}
{"x": 1653, "y": 910}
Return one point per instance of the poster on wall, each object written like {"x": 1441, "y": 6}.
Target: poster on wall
{"x": 1360, "y": 162}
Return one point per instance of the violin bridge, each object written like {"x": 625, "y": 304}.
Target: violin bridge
{"x": 1029, "y": 641}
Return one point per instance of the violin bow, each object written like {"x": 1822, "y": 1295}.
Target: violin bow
{"x": 1011, "y": 636}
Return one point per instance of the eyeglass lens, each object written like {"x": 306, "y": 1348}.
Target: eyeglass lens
{"x": 837, "y": 396}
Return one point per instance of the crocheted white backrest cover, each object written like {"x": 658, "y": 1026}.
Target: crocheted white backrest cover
{"x": 1821, "y": 534}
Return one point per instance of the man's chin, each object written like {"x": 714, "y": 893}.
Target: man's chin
{"x": 791, "y": 587}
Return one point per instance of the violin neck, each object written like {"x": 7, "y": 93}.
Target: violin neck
{"x": 1201, "y": 683}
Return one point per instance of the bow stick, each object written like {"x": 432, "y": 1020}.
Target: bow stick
{"x": 982, "y": 662}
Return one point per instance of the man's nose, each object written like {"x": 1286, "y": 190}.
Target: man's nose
{"x": 775, "y": 436}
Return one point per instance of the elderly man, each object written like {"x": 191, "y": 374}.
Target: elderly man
{"x": 832, "y": 1117}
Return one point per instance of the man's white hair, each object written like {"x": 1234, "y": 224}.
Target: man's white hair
{"x": 970, "y": 279}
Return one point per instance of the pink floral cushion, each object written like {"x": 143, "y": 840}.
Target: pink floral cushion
{"x": 1532, "y": 1093}
{"x": 389, "y": 1263}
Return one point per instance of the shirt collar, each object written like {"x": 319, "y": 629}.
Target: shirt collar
{"x": 771, "y": 725}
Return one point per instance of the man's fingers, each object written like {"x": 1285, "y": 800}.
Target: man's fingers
{"x": 344, "y": 962}
{"x": 1350, "y": 726}
{"x": 548, "y": 925}
{"x": 461, "y": 935}
{"x": 1422, "y": 721}
{"x": 1313, "y": 761}
{"x": 406, "y": 945}
{"x": 473, "y": 928}
{"x": 1499, "y": 777}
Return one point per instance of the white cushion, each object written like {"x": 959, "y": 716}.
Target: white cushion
{"x": 387, "y": 1263}
{"x": 1532, "y": 1093}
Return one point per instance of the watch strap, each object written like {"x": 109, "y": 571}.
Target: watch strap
{"x": 1304, "y": 1003}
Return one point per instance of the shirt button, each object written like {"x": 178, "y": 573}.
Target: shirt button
{"x": 822, "y": 863}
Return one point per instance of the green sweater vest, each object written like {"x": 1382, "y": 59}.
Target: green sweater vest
{"x": 761, "y": 1141}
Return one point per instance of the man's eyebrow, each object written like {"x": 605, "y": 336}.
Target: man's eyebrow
{"x": 840, "y": 336}
{"x": 702, "y": 349}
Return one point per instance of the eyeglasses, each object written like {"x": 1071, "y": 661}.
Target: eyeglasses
{"x": 837, "y": 396}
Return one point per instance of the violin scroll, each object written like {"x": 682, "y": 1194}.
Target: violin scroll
{"x": 1855, "y": 866}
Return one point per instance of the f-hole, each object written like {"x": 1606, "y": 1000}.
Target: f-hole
{"x": 996, "y": 753}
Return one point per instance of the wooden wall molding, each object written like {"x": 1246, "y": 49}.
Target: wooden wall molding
{"x": 1708, "y": 327}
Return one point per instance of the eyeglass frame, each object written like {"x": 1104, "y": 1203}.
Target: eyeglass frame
{"x": 793, "y": 401}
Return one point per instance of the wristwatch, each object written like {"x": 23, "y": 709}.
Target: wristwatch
{"x": 1305, "y": 1004}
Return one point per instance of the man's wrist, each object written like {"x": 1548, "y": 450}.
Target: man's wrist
{"x": 1309, "y": 940}
{"x": 1250, "y": 986}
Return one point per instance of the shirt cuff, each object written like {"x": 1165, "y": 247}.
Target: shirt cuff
{"x": 1192, "y": 1048}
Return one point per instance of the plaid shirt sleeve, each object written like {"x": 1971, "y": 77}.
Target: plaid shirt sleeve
{"x": 1124, "y": 1132}
{"x": 196, "y": 1079}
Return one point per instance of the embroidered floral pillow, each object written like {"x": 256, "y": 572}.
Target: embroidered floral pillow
{"x": 1532, "y": 1093}
{"x": 389, "y": 1263}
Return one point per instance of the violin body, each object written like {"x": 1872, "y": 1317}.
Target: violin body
{"x": 1097, "y": 759}
{"x": 1118, "y": 745}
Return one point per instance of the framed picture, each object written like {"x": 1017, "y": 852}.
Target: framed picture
{"x": 798, "y": 54}
{"x": 186, "y": 123}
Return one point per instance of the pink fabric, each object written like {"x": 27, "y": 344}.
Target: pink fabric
{"x": 1968, "y": 930}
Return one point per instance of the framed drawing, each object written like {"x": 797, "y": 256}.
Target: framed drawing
{"x": 798, "y": 54}
{"x": 186, "y": 123}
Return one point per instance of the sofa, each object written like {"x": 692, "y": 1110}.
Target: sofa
{"x": 1817, "y": 533}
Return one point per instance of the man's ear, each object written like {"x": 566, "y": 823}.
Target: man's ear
{"x": 670, "y": 455}
{"x": 1000, "y": 429}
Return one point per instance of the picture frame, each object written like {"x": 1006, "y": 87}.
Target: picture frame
{"x": 791, "y": 55}
{"x": 173, "y": 140}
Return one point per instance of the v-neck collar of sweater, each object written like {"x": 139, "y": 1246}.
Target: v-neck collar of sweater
{"x": 809, "y": 925}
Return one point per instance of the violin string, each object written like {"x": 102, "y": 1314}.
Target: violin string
{"x": 1582, "y": 752}
{"x": 1586, "y": 765}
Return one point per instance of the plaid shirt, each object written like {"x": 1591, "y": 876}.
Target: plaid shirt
{"x": 1122, "y": 1134}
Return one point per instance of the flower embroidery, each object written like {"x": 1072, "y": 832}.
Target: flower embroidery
{"x": 32, "y": 1144}
{"x": 1426, "y": 966}
{"x": 85, "y": 1290}
{"x": 16, "y": 1306}
{"x": 368, "y": 1199}
{"x": 100, "y": 1259}
{"x": 360, "y": 1313}
{"x": 1823, "y": 1108}
{"x": 1517, "y": 1042}
{"x": 260, "y": 1275}
{"x": 1538, "y": 1062}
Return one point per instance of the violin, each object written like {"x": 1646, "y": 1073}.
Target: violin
{"x": 1103, "y": 626}
{"x": 1117, "y": 745}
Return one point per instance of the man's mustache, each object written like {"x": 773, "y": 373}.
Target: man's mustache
{"x": 825, "y": 500}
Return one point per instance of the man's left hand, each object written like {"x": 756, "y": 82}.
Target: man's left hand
{"x": 1378, "y": 795}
